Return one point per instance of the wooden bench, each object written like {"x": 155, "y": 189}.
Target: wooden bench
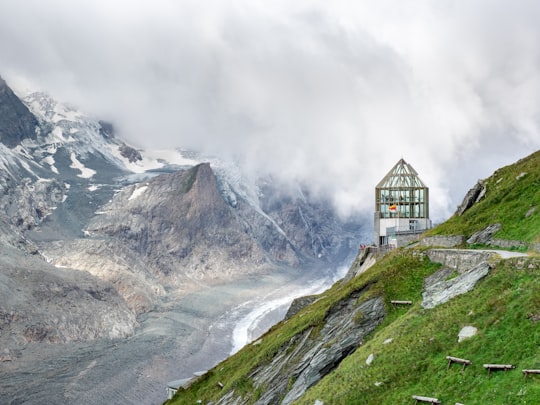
{"x": 395, "y": 303}
{"x": 527, "y": 372}
{"x": 504, "y": 367}
{"x": 419, "y": 398}
{"x": 459, "y": 361}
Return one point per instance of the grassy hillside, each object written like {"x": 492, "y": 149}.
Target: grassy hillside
{"x": 411, "y": 344}
{"x": 512, "y": 199}
{"x": 399, "y": 275}
{"x": 504, "y": 307}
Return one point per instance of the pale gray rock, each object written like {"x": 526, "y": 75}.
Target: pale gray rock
{"x": 111, "y": 261}
{"x": 181, "y": 225}
{"x": 363, "y": 261}
{"x": 467, "y": 332}
{"x": 26, "y": 203}
{"x": 442, "y": 291}
{"x": 484, "y": 236}
{"x": 370, "y": 359}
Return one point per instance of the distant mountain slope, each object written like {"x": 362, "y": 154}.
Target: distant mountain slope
{"x": 397, "y": 351}
{"x": 16, "y": 121}
{"x": 148, "y": 223}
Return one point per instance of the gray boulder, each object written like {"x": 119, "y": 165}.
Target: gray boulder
{"x": 475, "y": 194}
{"x": 484, "y": 236}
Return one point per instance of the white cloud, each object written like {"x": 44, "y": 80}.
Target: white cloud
{"x": 330, "y": 93}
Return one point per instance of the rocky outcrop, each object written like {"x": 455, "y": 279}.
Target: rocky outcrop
{"x": 443, "y": 290}
{"x": 365, "y": 259}
{"x": 470, "y": 266}
{"x": 308, "y": 358}
{"x": 16, "y": 121}
{"x": 484, "y": 236}
{"x": 300, "y": 303}
{"x": 27, "y": 203}
{"x": 131, "y": 154}
{"x": 475, "y": 194}
{"x": 106, "y": 129}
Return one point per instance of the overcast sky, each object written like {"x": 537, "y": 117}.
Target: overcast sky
{"x": 328, "y": 92}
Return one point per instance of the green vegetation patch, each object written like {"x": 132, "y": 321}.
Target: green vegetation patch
{"x": 512, "y": 199}
{"x": 505, "y": 307}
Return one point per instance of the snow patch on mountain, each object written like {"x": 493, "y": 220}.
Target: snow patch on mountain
{"x": 86, "y": 173}
{"x": 49, "y": 160}
{"x": 137, "y": 192}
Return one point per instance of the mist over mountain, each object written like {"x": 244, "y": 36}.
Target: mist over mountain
{"x": 329, "y": 95}
{"x": 101, "y": 241}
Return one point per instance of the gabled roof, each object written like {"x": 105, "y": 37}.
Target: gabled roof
{"x": 402, "y": 175}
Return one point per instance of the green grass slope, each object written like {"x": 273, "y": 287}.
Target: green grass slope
{"x": 505, "y": 308}
{"x": 411, "y": 344}
{"x": 512, "y": 199}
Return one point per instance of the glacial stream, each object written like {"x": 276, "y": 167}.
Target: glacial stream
{"x": 193, "y": 334}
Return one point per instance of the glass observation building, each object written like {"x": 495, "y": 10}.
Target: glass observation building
{"x": 401, "y": 206}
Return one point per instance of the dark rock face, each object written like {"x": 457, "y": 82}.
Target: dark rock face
{"x": 475, "y": 194}
{"x": 16, "y": 121}
{"x": 131, "y": 154}
{"x": 106, "y": 129}
{"x": 298, "y": 304}
{"x": 306, "y": 359}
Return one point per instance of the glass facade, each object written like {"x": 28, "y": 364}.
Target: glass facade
{"x": 401, "y": 194}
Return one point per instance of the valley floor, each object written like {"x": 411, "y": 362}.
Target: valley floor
{"x": 192, "y": 335}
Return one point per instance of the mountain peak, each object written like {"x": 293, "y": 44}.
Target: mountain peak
{"x": 16, "y": 121}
